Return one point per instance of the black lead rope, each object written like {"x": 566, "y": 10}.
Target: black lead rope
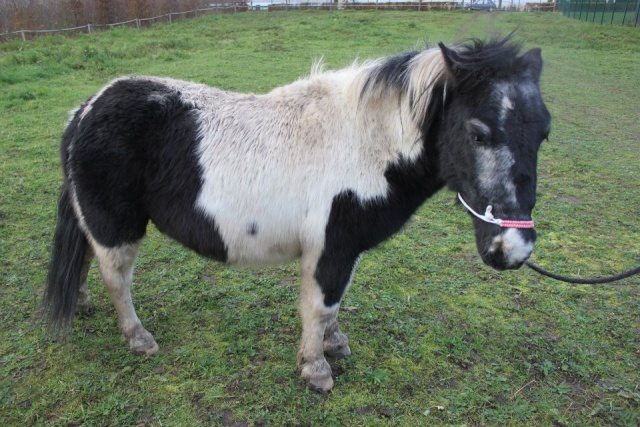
{"x": 488, "y": 217}
{"x": 583, "y": 281}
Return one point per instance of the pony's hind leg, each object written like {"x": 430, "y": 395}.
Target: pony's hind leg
{"x": 84, "y": 301}
{"x": 116, "y": 267}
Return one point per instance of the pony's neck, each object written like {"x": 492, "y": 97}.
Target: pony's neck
{"x": 396, "y": 99}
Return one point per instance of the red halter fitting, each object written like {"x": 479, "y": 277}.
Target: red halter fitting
{"x": 488, "y": 217}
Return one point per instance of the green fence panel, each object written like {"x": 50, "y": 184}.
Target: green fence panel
{"x": 619, "y": 12}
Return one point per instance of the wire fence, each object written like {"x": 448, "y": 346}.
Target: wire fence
{"x": 138, "y": 22}
{"x": 243, "y": 6}
{"x": 622, "y": 12}
{"x": 239, "y": 7}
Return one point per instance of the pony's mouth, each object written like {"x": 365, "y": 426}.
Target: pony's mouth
{"x": 508, "y": 250}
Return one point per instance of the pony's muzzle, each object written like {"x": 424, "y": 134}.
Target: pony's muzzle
{"x": 510, "y": 249}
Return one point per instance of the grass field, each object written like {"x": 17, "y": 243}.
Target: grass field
{"x": 438, "y": 338}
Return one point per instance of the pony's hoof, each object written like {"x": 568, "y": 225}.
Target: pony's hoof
{"x": 143, "y": 344}
{"x": 318, "y": 376}
{"x": 145, "y": 351}
{"x": 323, "y": 386}
{"x": 337, "y": 352}
{"x": 336, "y": 346}
{"x": 83, "y": 306}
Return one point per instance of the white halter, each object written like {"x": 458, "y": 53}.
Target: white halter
{"x": 488, "y": 217}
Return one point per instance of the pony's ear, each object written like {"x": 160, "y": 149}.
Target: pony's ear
{"x": 446, "y": 54}
{"x": 532, "y": 62}
{"x": 450, "y": 59}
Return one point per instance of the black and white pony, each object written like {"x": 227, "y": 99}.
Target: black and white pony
{"x": 323, "y": 169}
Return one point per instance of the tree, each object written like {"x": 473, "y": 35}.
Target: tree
{"x": 139, "y": 9}
{"x": 76, "y": 9}
{"x": 104, "y": 11}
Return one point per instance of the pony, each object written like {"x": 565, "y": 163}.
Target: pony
{"x": 321, "y": 169}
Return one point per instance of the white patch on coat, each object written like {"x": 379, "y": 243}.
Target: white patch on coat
{"x": 494, "y": 171}
{"x": 502, "y": 96}
{"x": 92, "y": 101}
{"x": 278, "y": 160}
{"x": 515, "y": 249}
{"x": 507, "y": 106}
{"x": 75, "y": 203}
{"x": 72, "y": 115}
{"x": 78, "y": 211}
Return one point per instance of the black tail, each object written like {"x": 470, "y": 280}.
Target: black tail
{"x": 65, "y": 271}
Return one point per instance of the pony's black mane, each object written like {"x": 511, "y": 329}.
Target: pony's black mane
{"x": 391, "y": 74}
{"x": 475, "y": 61}
{"x": 475, "y": 54}
{"x": 470, "y": 63}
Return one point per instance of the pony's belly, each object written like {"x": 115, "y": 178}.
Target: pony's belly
{"x": 253, "y": 250}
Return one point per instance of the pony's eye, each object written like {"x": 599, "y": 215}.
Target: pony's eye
{"x": 478, "y": 131}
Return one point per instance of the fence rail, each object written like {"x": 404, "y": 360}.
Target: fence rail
{"x": 625, "y": 12}
{"x": 234, "y": 8}
{"x": 584, "y": 9}
{"x": 169, "y": 17}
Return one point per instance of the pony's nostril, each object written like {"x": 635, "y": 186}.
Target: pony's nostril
{"x": 508, "y": 250}
{"x": 497, "y": 245}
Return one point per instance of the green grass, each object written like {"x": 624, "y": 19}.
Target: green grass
{"x": 437, "y": 337}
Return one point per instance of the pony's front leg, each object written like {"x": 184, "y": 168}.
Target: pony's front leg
{"x": 336, "y": 344}
{"x": 116, "y": 267}
{"x": 323, "y": 284}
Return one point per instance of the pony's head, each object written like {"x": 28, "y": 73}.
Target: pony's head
{"x": 492, "y": 125}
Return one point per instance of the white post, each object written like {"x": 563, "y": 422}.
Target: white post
{"x": 89, "y": 28}
{"x": 22, "y": 34}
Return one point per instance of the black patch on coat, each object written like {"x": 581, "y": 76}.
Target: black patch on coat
{"x": 252, "y": 229}
{"x": 133, "y": 158}
{"x": 354, "y": 226}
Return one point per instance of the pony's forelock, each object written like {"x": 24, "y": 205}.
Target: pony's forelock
{"x": 472, "y": 62}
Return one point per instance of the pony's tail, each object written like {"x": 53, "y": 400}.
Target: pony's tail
{"x": 65, "y": 274}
